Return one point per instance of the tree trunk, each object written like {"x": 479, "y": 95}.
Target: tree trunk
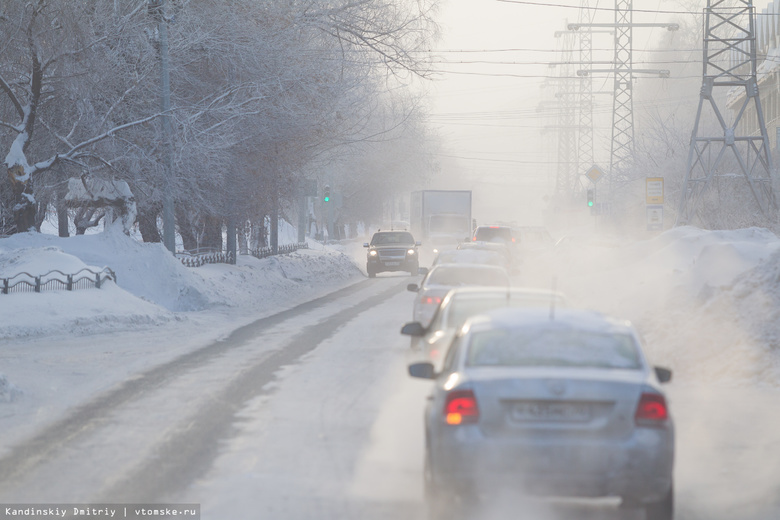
{"x": 212, "y": 236}
{"x": 147, "y": 224}
{"x": 62, "y": 213}
{"x": 24, "y": 209}
{"x": 243, "y": 246}
{"x": 187, "y": 228}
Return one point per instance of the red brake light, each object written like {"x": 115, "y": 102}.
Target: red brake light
{"x": 461, "y": 408}
{"x": 431, "y": 299}
{"x": 474, "y": 239}
{"x": 651, "y": 410}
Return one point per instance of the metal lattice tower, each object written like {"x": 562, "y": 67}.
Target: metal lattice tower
{"x": 622, "y": 149}
{"x": 729, "y": 62}
{"x": 585, "y": 137}
{"x": 568, "y": 170}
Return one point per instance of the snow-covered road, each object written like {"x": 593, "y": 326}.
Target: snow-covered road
{"x": 306, "y": 412}
{"x": 309, "y": 414}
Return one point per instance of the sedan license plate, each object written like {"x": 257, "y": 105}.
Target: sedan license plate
{"x": 550, "y": 411}
{"x": 392, "y": 263}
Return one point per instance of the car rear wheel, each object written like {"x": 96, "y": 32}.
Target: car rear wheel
{"x": 441, "y": 502}
{"x": 663, "y": 509}
{"x": 437, "y": 501}
{"x": 371, "y": 272}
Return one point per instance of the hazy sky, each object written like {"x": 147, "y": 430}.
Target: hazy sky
{"x": 495, "y": 96}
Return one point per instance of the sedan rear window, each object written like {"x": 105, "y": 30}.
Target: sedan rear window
{"x": 493, "y": 234}
{"x": 454, "y": 277}
{"x": 552, "y": 348}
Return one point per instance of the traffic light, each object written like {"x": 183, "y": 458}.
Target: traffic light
{"x": 590, "y": 198}
{"x": 326, "y": 196}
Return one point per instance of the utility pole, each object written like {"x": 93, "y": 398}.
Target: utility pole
{"x": 157, "y": 10}
{"x": 729, "y": 62}
{"x": 622, "y": 146}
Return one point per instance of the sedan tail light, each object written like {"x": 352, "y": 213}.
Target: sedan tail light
{"x": 433, "y": 300}
{"x": 461, "y": 408}
{"x": 651, "y": 410}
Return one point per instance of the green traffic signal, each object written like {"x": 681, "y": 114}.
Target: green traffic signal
{"x": 327, "y": 198}
{"x": 591, "y": 198}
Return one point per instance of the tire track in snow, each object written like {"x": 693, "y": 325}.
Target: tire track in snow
{"x": 190, "y": 450}
{"x": 88, "y": 418}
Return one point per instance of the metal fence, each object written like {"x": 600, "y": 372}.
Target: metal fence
{"x": 56, "y": 281}
{"x": 205, "y": 255}
{"x": 265, "y": 252}
{"x": 211, "y": 255}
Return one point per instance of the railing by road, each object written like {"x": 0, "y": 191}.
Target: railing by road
{"x": 265, "y": 252}
{"x": 205, "y": 255}
{"x": 211, "y": 255}
{"x": 56, "y": 280}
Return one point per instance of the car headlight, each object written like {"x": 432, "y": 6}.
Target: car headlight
{"x": 411, "y": 252}
{"x": 372, "y": 253}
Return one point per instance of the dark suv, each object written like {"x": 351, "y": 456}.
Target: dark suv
{"x": 392, "y": 251}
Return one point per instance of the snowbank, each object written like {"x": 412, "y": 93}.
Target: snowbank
{"x": 707, "y": 302}
{"x": 152, "y": 286}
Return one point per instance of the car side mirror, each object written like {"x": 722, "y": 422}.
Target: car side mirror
{"x": 365, "y": 244}
{"x": 422, "y": 271}
{"x": 418, "y": 243}
{"x": 664, "y": 375}
{"x": 414, "y": 328}
{"x": 422, "y": 370}
{"x": 412, "y": 287}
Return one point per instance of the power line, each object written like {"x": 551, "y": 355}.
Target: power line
{"x": 612, "y": 10}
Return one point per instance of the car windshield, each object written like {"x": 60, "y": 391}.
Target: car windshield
{"x": 552, "y": 348}
{"x": 395, "y": 237}
{"x": 456, "y": 276}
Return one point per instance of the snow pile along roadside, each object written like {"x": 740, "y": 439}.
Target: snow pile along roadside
{"x": 707, "y": 302}
{"x": 152, "y": 286}
{"x": 8, "y": 391}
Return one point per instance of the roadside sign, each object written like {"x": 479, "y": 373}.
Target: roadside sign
{"x": 654, "y": 190}
{"x": 655, "y": 218}
{"x": 594, "y": 173}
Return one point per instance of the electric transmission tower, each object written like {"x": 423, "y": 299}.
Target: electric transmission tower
{"x": 568, "y": 170}
{"x": 585, "y": 137}
{"x": 729, "y": 63}
{"x": 622, "y": 146}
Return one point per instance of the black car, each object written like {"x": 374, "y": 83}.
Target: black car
{"x": 392, "y": 251}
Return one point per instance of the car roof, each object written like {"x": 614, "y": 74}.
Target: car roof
{"x": 477, "y": 291}
{"x": 543, "y": 319}
{"x": 461, "y": 267}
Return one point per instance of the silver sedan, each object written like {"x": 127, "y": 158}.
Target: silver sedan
{"x": 463, "y": 302}
{"x": 530, "y": 402}
{"x": 443, "y": 277}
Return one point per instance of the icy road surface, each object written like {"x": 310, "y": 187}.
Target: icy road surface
{"x": 309, "y": 414}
